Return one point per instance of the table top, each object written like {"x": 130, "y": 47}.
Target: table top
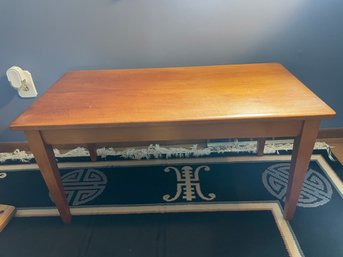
{"x": 126, "y": 97}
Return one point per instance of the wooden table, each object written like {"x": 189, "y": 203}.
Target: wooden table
{"x": 183, "y": 103}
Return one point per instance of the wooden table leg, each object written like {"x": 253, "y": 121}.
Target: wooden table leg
{"x": 6, "y": 213}
{"x": 45, "y": 159}
{"x": 260, "y": 146}
{"x": 302, "y": 151}
{"x": 92, "y": 152}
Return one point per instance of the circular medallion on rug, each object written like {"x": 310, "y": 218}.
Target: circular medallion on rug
{"x": 316, "y": 189}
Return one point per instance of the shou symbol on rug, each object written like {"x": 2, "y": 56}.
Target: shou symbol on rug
{"x": 316, "y": 189}
{"x": 3, "y": 175}
{"x": 188, "y": 184}
{"x": 84, "y": 185}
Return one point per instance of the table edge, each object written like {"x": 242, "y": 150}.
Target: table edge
{"x": 239, "y": 119}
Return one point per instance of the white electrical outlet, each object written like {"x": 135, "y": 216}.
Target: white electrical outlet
{"x": 21, "y": 80}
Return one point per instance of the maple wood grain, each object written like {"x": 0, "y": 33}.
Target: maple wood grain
{"x": 302, "y": 150}
{"x": 6, "y": 213}
{"x": 185, "y": 103}
{"x": 261, "y": 142}
{"x": 45, "y": 159}
{"x": 92, "y": 148}
{"x": 169, "y": 132}
{"x": 98, "y": 98}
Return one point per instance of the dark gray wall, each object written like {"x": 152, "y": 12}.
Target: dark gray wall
{"x": 51, "y": 37}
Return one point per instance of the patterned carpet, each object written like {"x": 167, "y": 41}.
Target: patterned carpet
{"x": 217, "y": 206}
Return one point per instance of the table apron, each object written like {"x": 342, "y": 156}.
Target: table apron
{"x": 152, "y": 133}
